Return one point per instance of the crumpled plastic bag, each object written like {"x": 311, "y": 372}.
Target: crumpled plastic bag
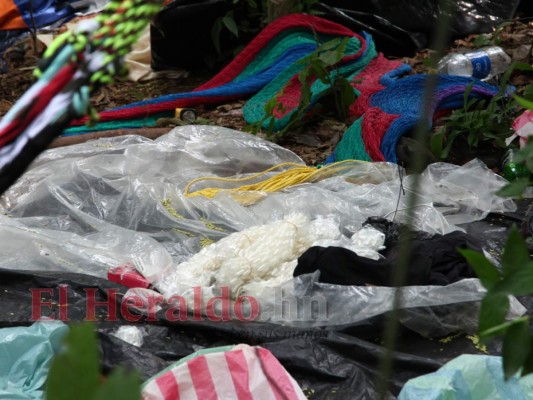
{"x": 26, "y": 354}
{"x": 472, "y": 377}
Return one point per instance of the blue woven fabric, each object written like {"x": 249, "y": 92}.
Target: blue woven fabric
{"x": 256, "y": 75}
{"x": 404, "y": 97}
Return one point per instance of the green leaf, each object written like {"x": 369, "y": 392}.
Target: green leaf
{"x": 487, "y": 273}
{"x": 436, "y": 143}
{"x": 471, "y": 139}
{"x": 516, "y": 347}
{"x": 449, "y": 143}
{"x": 528, "y": 93}
{"x": 494, "y": 308}
{"x": 230, "y": 23}
{"x": 514, "y": 189}
{"x": 524, "y": 153}
{"x": 515, "y": 254}
{"x": 74, "y": 374}
{"x": 329, "y": 57}
{"x": 466, "y": 95}
{"x": 321, "y": 74}
{"x": 330, "y": 53}
{"x": 518, "y": 283}
{"x": 481, "y": 41}
{"x": 523, "y": 102}
{"x": 502, "y": 328}
{"x": 528, "y": 363}
{"x": 215, "y": 34}
{"x": 120, "y": 386}
{"x": 523, "y": 66}
{"x": 348, "y": 96}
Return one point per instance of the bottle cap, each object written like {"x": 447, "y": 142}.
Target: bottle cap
{"x": 185, "y": 114}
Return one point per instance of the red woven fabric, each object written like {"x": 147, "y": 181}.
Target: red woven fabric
{"x": 367, "y": 82}
{"x": 375, "y": 124}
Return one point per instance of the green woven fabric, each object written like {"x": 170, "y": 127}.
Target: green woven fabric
{"x": 351, "y": 146}
{"x": 254, "y": 109}
{"x": 120, "y": 124}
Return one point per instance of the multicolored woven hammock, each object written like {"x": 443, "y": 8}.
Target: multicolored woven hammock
{"x": 265, "y": 64}
{"x": 387, "y": 105}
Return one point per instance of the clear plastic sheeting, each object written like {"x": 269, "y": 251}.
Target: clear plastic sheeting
{"x": 130, "y": 334}
{"x": 115, "y": 201}
{"x": 428, "y": 310}
{"x": 467, "y": 192}
{"x": 96, "y": 205}
{"x": 303, "y": 302}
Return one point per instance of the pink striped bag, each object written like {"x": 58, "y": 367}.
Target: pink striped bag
{"x": 224, "y": 373}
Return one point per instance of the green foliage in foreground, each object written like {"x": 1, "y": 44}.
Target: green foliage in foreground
{"x": 514, "y": 278}
{"x": 75, "y": 373}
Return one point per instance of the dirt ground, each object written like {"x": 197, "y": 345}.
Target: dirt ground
{"x": 312, "y": 143}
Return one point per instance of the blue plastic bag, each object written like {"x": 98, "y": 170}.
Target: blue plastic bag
{"x": 469, "y": 377}
{"x": 25, "y": 357}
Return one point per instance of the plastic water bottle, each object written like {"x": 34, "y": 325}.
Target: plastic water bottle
{"x": 481, "y": 64}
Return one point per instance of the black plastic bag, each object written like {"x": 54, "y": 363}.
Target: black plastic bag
{"x": 469, "y": 16}
{"x": 181, "y": 33}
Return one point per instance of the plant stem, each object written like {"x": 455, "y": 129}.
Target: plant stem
{"x": 391, "y": 324}
{"x": 33, "y": 31}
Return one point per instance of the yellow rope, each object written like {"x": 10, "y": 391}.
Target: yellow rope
{"x": 294, "y": 176}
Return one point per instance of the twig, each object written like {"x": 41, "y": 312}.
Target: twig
{"x": 33, "y": 31}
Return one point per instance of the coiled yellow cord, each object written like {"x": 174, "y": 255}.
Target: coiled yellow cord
{"x": 297, "y": 175}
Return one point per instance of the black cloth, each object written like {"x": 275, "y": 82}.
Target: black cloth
{"x": 434, "y": 261}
